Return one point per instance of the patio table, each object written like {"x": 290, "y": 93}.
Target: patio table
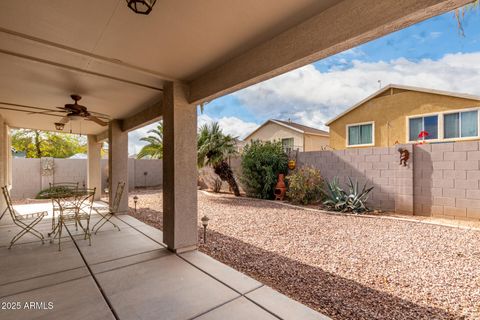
{"x": 71, "y": 205}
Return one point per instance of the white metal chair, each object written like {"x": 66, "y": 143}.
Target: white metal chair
{"x": 107, "y": 214}
{"x": 26, "y": 222}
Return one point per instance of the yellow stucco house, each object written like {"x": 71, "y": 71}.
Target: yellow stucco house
{"x": 403, "y": 114}
{"x": 294, "y": 136}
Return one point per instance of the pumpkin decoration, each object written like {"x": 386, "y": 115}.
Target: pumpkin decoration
{"x": 291, "y": 164}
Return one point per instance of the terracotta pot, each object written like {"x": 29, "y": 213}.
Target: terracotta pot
{"x": 280, "y": 188}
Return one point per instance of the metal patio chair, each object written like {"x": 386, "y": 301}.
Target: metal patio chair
{"x": 107, "y": 214}
{"x": 74, "y": 207}
{"x": 26, "y": 222}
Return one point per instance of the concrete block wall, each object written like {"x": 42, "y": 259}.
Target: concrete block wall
{"x": 26, "y": 180}
{"x": 70, "y": 170}
{"x": 154, "y": 170}
{"x": 378, "y": 167}
{"x": 447, "y": 180}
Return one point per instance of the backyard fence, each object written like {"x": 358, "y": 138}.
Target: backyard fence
{"x": 441, "y": 179}
{"x": 28, "y": 175}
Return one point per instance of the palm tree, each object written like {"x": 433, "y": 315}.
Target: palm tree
{"x": 214, "y": 147}
{"x": 154, "y": 148}
{"x": 460, "y": 14}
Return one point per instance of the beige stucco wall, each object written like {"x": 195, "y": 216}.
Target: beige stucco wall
{"x": 272, "y": 131}
{"x": 315, "y": 143}
{"x": 394, "y": 109}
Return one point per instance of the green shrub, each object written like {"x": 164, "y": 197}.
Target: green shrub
{"x": 352, "y": 201}
{"x": 305, "y": 186}
{"x": 261, "y": 164}
{"x": 46, "y": 193}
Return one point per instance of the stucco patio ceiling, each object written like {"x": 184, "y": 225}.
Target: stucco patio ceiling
{"x": 118, "y": 61}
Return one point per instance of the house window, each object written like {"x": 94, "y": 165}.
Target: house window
{"x": 427, "y": 124}
{"x": 287, "y": 144}
{"x": 360, "y": 134}
{"x": 460, "y": 124}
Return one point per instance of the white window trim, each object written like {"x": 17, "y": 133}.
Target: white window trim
{"x": 439, "y": 126}
{"x": 360, "y": 145}
{"x": 441, "y": 135}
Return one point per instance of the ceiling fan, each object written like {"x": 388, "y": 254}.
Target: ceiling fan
{"x": 75, "y": 111}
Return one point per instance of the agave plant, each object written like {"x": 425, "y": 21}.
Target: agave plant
{"x": 351, "y": 201}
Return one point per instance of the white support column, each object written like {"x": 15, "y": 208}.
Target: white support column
{"x": 179, "y": 169}
{"x": 5, "y": 165}
{"x": 94, "y": 165}
{"x": 117, "y": 162}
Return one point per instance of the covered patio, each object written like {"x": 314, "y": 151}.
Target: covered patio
{"x": 128, "y": 274}
{"x": 133, "y": 70}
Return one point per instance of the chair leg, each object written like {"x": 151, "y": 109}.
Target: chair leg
{"x": 88, "y": 230}
{"x": 4, "y": 211}
{"x": 53, "y": 221}
{"x": 54, "y": 230}
{"x": 101, "y": 219}
{"x": 105, "y": 219}
{"x": 60, "y": 235}
{"x": 27, "y": 229}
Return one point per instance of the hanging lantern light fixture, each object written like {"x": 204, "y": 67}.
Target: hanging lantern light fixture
{"x": 141, "y": 6}
{"x": 59, "y": 126}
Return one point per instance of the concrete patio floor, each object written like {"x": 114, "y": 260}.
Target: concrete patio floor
{"x": 127, "y": 274}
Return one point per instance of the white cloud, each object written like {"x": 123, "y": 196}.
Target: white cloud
{"x": 134, "y": 143}
{"x": 312, "y": 97}
{"x": 230, "y": 125}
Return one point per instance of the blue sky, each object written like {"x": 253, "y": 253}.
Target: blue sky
{"x": 430, "y": 54}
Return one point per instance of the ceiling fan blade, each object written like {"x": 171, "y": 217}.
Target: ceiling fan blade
{"x": 64, "y": 120}
{"x": 100, "y": 115}
{"x": 97, "y": 121}
{"x": 44, "y": 112}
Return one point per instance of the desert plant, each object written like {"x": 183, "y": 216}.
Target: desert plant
{"x": 352, "y": 201}
{"x": 261, "y": 164}
{"x": 48, "y": 192}
{"x": 305, "y": 186}
{"x": 217, "y": 185}
{"x": 214, "y": 147}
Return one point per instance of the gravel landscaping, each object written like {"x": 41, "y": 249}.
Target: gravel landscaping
{"x": 347, "y": 267}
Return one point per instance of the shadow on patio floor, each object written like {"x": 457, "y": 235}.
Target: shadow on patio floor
{"x": 323, "y": 291}
{"x": 335, "y": 296}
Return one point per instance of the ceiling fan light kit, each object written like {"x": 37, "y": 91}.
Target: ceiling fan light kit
{"x": 141, "y": 6}
{"x": 59, "y": 126}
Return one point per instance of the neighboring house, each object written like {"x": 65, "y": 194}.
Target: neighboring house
{"x": 18, "y": 154}
{"x": 294, "y": 136}
{"x": 79, "y": 156}
{"x": 400, "y": 114}
{"x": 239, "y": 144}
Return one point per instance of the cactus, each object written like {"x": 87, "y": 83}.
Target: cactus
{"x": 351, "y": 201}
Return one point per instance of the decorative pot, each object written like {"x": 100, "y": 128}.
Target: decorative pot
{"x": 280, "y": 188}
{"x": 291, "y": 164}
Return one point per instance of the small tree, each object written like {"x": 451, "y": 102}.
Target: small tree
{"x": 37, "y": 144}
{"x": 261, "y": 164}
{"x": 154, "y": 148}
{"x": 214, "y": 147}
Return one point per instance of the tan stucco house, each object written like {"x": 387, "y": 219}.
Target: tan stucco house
{"x": 400, "y": 114}
{"x": 294, "y": 136}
